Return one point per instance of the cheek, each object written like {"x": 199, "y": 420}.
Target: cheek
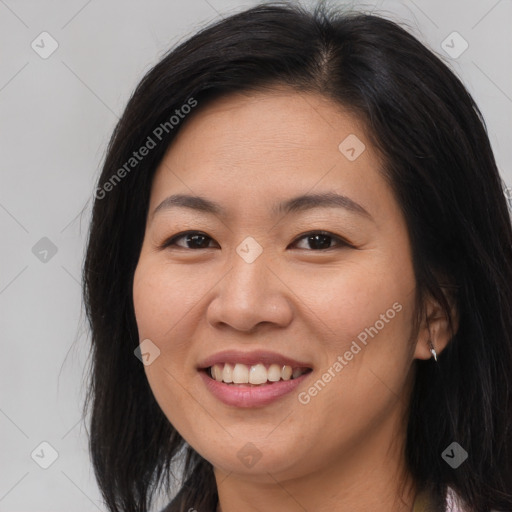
{"x": 372, "y": 314}
{"x": 159, "y": 304}
{"x": 365, "y": 316}
{"x": 163, "y": 297}
{"x": 361, "y": 301}
{"x": 167, "y": 301}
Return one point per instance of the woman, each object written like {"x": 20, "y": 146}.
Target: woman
{"x": 301, "y": 233}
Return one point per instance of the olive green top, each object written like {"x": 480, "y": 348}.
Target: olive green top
{"x": 423, "y": 503}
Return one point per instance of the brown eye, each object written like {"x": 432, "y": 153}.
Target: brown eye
{"x": 193, "y": 240}
{"x": 321, "y": 240}
{"x": 315, "y": 240}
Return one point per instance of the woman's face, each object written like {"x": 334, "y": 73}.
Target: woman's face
{"x": 260, "y": 284}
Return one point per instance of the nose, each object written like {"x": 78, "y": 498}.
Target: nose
{"x": 251, "y": 294}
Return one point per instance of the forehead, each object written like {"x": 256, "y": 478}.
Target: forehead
{"x": 277, "y": 143}
{"x": 281, "y": 120}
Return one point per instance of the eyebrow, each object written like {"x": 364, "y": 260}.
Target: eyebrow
{"x": 294, "y": 205}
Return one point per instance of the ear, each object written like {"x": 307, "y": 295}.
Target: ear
{"x": 435, "y": 326}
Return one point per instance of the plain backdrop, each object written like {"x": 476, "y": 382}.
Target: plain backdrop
{"x": 57, "y": 112}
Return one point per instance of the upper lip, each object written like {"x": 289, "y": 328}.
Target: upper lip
{"x": 251, "y": 358}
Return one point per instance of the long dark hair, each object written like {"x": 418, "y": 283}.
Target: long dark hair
{"x": 439, "y": 161}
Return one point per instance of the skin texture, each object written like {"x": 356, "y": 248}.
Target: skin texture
{"x": 343, "y": 450}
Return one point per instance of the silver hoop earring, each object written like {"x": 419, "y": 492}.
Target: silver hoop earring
{"x": 433, "y": 351}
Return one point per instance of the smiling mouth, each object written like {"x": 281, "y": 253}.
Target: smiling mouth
{"x": 253, "y": 375}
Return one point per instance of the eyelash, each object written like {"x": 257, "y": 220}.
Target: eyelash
{"x": 341, "y": 243}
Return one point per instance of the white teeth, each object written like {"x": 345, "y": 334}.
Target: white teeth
{"x": 274, "y": 373}
{"x": 286, "y": 372}
{"x": 227, "y": 373}
{"x": 217, "y": 372}
{"x": 258, "y": 374}
{"x": 255, "y": 374}
{"x": 241, "y": 374}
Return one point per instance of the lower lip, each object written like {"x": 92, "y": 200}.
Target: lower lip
{"x": 242, "y": 395}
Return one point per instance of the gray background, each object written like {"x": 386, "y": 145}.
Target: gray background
{"x": 56, "y": 117}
